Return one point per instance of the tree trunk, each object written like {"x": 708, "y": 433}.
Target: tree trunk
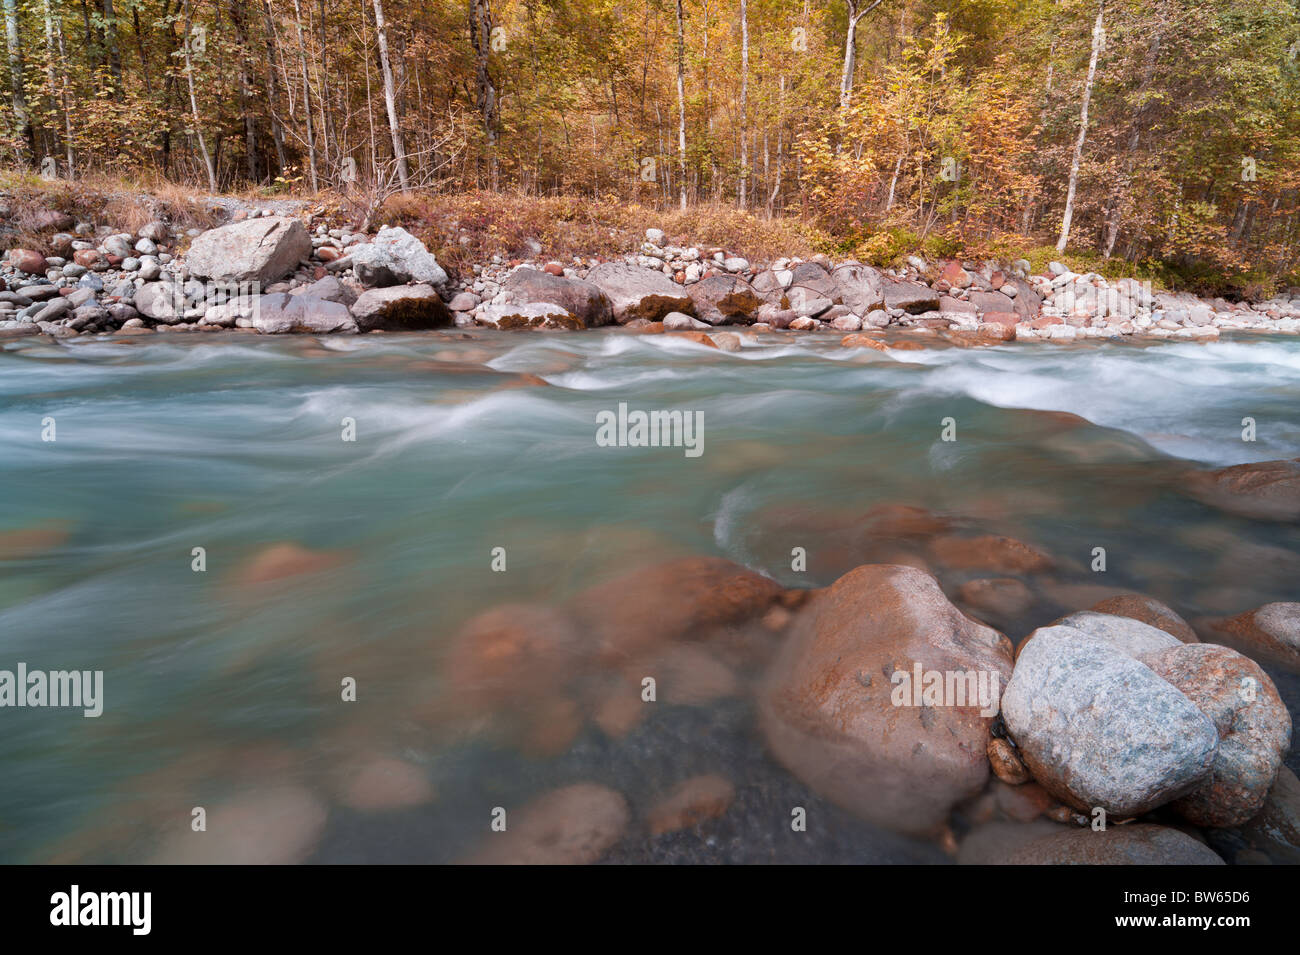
{"x": 18, "y": 94}
{"x": 390, "y": 98}
{"x": 742, "y": 191}
{"x": 485, "y": 91}
{"x": 110, "y": 39}
{"x": 273, "y": 88}
{"x": 850, "y": 50}
{"x": 194, "y": 106}
{"x": 681, "y": 102}
{"x": 1097, "y": 36}
{"x": 1113, "y": 214}
{"x": 306, "y": 98}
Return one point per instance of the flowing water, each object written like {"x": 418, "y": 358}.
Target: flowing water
{"x": 221, "y": 681}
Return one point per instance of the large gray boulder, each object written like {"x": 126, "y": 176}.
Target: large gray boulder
{"x": 402, "y": 308}
{"x": 861, "y": 287}
{"x": 527, "y": 286}
{"x": 531, "y": 315}
{"x": 635, "y": 292}
{"x": 263, "y": 250}
{"x": 280, "y": 313}
{"x": 724, "y": 300}
{"x": 395, "y": 257}
{"x": 912, "y": 297}
{"x": 163, "y": 302}
{"x": 1099, "y": 728}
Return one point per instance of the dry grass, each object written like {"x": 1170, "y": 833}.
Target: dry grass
{"x": 123, "y": 205}
{"x": 465, "y": 228}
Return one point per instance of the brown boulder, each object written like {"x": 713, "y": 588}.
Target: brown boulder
{"x": 1270, "y": 634}
{"x": 859, "y": 340}
{"x": 828, "y": 702}
{"x": 1115, "y": 845}
{"x": 1267, "y": 490}
{"x": 1252, "y": 721}
{"x": 25, "y": 260}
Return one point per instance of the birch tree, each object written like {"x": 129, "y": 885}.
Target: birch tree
{"x": 1098, "y": 39}
{"x": 390, "y": 98}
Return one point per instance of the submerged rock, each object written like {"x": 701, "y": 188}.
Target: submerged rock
{"x": 655, "y": 605}
{"x": 575, "y": 825}
{"x": 1276, "y": 827}
{"x": 828, "y": 702}
{"x": 275, "y": 826}
{"x": 1116, "y": 845}
{"x": 1270, "y": 634}
{"x": 383, "y": 783}
{"x": 989, "y": 552}
{"x": 691, "y": 802}
{"x": 1267, "y": 490}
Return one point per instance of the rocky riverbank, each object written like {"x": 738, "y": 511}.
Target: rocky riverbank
{"x": 276, "y": 274}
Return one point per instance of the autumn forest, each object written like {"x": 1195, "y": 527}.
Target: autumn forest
{"x": 1134, "y": 130}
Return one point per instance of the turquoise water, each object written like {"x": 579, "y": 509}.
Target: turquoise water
{"x": 469, "y": 442}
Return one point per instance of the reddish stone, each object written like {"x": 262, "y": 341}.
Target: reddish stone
{"x": 647, "y": 608}
{"x": 989, "y": 552}
{"x": 693, "y": 801}
{"x": 555, "y": 268}
{"x": 859, "y": 340}
{"x": 25, "y": 260}
{"x": 87, "y": 258}
{"x": 1000, "y": 318}
{"x": 327, "y": 253}
{"x": 954, "y": 274}
{"x": 1046, "y": 321}
{"x": 700, "y": 338}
